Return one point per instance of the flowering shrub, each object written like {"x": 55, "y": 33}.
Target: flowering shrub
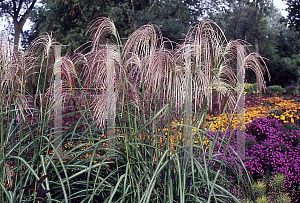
{"x": 278, "y": 151}
{"x": 270, "y": 147}
{"x": 290, "y": 90}
{"x": 286, "y": 111}
{"x": 272, "y": 141}
{"x": 261, "y": 128}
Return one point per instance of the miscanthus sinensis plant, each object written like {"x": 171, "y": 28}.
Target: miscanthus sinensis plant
{"x": 154, "y": 159}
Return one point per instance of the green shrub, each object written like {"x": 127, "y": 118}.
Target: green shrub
{"x": 275, "y": 90}
{"x": 262, "y": 199}
{"x": 265, "y": 91}
{"x": 276, "y": 185}
{"x": 251, "y": 88}
{"x": 283, "y": 198}
{"x": 278, "y": 182}
{"x": 260, "y": 189}
{"x": 291, "y": 90}
{"x": 270, "y": 189}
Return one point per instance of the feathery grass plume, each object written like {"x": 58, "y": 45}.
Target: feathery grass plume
{"x": 143, "y": 41}
{"x": 14, "y": 69}
{"x": 96, "y": 65}
{"x": 6, "y": 53}
{"x": 44, "y": 42}
{"x": 214, "y": 61}
{"x": 8, "y": 173}
{"x": 69, "y": 80}
{"x": 150, "y": 68}
{"x": 95, "y": 72}
{"x": 41, "y": 74}
{"x": 100, "y": 28}
{"x": 43, "y": 47}
{"x": 253, "y": 62}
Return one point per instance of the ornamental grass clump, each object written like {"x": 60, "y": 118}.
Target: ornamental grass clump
{"x": 15, "y": 66}
{"x": 27, "y": 116}
{"x": 149, "y": 86}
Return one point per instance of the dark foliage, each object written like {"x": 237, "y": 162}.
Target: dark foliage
{"x": 294, "y": 13}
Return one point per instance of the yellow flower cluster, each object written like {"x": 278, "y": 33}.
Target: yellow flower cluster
{"x": 286, "y": 111}
{"x": 176, "y": 134}
{"x": 275, "y": 107}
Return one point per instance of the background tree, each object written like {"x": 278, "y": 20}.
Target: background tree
{"x": 200, "y": 9}
{"x": 285, "y": 49}
{"x": 294, "y": 13}
{"x": 69, "y": 21}
{"x": 19, "y": 11}
{"x": 172, "y": 17}
{"x": 245, "y": 19}
{"x": 260, "y": 24}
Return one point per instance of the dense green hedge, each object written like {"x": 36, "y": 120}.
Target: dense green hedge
{"x": 271, "y": 90}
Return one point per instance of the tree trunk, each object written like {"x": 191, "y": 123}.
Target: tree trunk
{"x": 256, "y": 45}
{"x": 132, "y": 6}
{"x": 18, "y": 24}
{"x": 18, "y": 30}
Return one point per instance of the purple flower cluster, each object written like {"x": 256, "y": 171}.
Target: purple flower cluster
{"x": 277, "y": 152}
{"x": 270, "y": 147}
{"x": 261, "y": 128}
{"x": 290, "y": 88}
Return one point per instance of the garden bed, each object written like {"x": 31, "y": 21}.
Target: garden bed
{"x": 255, "y": 100}
{"x": 153, "y": 132}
